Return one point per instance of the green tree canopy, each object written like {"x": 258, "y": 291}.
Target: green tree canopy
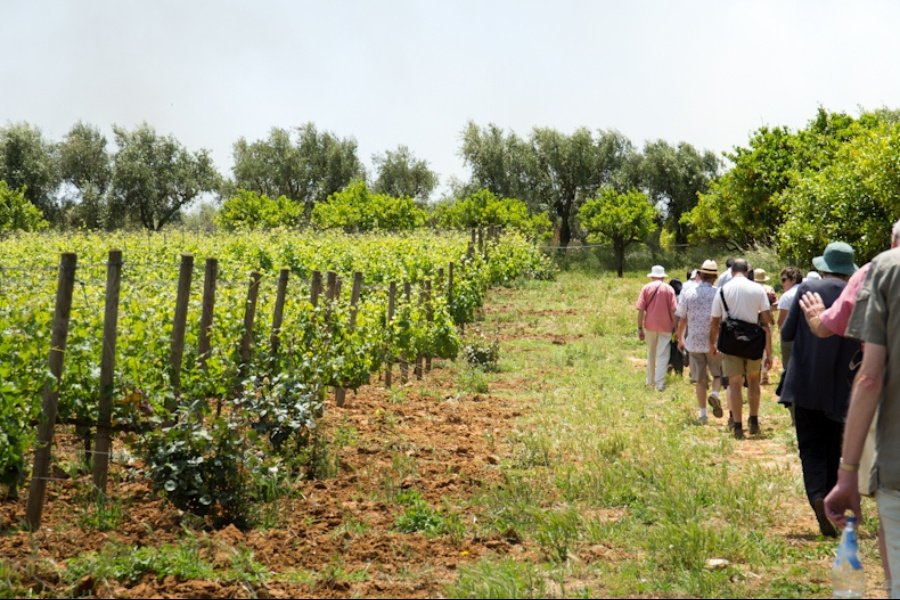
{"x": 674, "y": 176}
{"x": 484, "y": 208}
{"x": 356, "y": 208}
{"x": 500, "y": 162}
{"x": 85, "y": 166}
{"x": 307, "y": 168}
{"x": 568, "y": 168}
{"x": 400, "y": 173}
{"x": 28, "y": 162}
{"x": 622, "y": 219}
{"x": 745, "y": 205}
{"x": 17, "y": 213}
{"x": 854, "y": 199}
{"x": 155, "y": 177}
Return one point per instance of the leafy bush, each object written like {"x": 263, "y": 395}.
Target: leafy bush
{"x": 483, "y": 209}
{"x": 481, "y": 353}
{"x": 200, "y": 467}
{"x": 281, "y": 407}
{"x": 17, "y": 213}
{"x": 355, "y": 209}
{"x": 249, "y": 210}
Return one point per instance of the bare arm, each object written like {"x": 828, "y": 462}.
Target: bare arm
{"x": 766, "y": 318}
{"x": 863, "y": 402}
{"x": 640, "y": 323}
{"x": 681, "y": 328}
{"x": 714, "y": 334}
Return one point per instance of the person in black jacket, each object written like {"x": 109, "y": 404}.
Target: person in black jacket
{"x": 817, "y": 382}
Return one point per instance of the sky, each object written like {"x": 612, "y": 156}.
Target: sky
{"x": 392, "y": 72}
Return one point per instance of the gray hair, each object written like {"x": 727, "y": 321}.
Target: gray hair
{"x": 895, "y": 233}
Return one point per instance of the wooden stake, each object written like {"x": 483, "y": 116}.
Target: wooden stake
{"x": 392, "y": 293}
{"x": 179, "y": 323}
{"x": 278, "y": 315}
{"x": 103, "y": 441}
{"x": 209, "y": 303}
{"x": 50, "y": 395}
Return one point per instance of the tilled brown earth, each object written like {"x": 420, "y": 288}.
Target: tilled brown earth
{"x": 335, "y": 538}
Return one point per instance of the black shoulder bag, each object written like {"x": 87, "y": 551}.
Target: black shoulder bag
{"x": 740, "y": 338}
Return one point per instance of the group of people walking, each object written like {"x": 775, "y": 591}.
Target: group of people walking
{"x": 840, "y": 332}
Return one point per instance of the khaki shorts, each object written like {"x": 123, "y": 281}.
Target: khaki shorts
{"x": 703, "y": 362}
{"x": 738, "y": 365}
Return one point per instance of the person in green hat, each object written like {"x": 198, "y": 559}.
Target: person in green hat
{"x": 817, "y": 381}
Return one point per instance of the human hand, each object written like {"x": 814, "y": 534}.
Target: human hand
{"x": 811, "y": 304}
{"x": 641, "y": 334}
{"x": 843, "y": 497}
{"x": 768, "y": 362}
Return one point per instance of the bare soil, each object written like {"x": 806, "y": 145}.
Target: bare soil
{"x": 337, "y": 537}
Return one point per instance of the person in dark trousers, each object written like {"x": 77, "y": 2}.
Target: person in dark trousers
{"x": 817, "y": 382}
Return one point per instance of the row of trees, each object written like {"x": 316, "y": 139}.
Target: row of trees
{"x": 557, "y": 173}
{"x": 836, "y": 178}
{"x": 147, "y": 179}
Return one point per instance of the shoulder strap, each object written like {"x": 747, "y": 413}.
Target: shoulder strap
{"x": 725, "y": 304}
{"x": 653, "y": 297}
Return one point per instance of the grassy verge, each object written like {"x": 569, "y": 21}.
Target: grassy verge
{"x": 613, "y": 488}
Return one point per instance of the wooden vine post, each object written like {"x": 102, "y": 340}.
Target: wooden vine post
{"x": 392, "y": 295}
{"x": 404, "y": 365}
{"x": 50, "y": 395}
{"x": 315, "y": 288}
{"x": 429, "y": 317}
{"x": 209, "y": 303}
{"x": 249, "y": 317}
{"x": 103, "y": 440}
{"x": 278, "y": 314}
{"x": 179, "y": 323}
{"x": 420, "y": 359}
{"x": 340, "y": 394}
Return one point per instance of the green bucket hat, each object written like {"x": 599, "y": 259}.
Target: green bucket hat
{"x": 837, "y": 258}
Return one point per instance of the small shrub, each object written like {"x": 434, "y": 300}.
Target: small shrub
{"x": 481, "y": 353}
{"x": 200, "y": 468}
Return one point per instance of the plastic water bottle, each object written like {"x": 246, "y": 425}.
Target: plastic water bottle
{"x": 847, "y": 577}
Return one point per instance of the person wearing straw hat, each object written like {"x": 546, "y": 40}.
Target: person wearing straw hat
{"x": 656, "y": 323}
{"x": 693, "y": 314}
{"x": 817, "y": 381}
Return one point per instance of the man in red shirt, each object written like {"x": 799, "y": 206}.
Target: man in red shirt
{"x": 656, "y": 322}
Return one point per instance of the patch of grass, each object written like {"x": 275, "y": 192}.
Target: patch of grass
{"x": 473, "y": 380}
{"x": 99, "y": 514}
{"x": 420, "y": 516}
{"x": 128, "y": 565}
{"x": 600, "y": 462}
{"x": 491, "y": 578}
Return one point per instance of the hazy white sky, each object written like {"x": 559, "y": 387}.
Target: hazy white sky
{"x": 392, "y": 72}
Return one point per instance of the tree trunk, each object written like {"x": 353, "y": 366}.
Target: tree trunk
{"x": 565, "y": 228}
{"x": 681, "y": 234}
{"x": 619, "y": 249}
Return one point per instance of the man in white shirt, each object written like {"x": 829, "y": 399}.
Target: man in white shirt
{"x": 747, "y": 301}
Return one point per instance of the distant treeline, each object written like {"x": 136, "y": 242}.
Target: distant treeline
{"x": 837, "y": 178}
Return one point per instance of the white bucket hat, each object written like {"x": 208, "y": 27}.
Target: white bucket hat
{"x": 657, "y": 272}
